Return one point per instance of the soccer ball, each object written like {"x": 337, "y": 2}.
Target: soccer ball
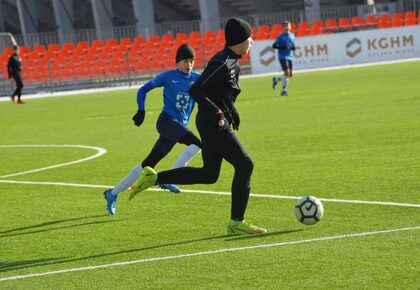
{"x": 309, "y": 210}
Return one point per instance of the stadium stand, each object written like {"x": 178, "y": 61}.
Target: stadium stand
{"x": 114, "y": 57}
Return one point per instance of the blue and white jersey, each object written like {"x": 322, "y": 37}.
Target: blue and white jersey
{"x": 177, "y": 102}
{"x": 285, "y": 41}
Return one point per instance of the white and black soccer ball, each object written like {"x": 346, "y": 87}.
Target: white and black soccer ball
{"x": 309, "y": 210}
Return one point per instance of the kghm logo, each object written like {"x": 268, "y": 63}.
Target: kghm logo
{"x": 354, "y": 47}
{"x": 267, "y": 55}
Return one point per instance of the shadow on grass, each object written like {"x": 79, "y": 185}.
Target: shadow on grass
{"x": 44, "y": 227}
{"x": 5, "y": 267}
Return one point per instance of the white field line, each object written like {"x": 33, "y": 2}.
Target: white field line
{"x": 101, "y": 151}
{"x": 226, "y": 250}
{"x": 107, "y": 89}
{"x": 219, "y": 193}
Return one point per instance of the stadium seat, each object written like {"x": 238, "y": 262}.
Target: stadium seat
{"x": 293, "y": 27}
{"x": 210, "y": 34}
{"x": 302, "y": 31}
{"x": 68, "y": 46}
{"x": 82, "y": 45}
{"x": 168, "y": 38}
{"x": 154, "y": 38}
{"x": 318, "y": 23}
{"x": 410, "y": 14}
{"x": 97, "y": 43}
{"x": 53, "y": 47}
{"x": 276, "y": 29}
{"x": 397, "y": 16}
{"x": 357, "y": 21}
{"x": 384, "y": 18}
{"x": 303, "y": 25}
{"x": 24, "y": 50}
{"x": 7, "y": 51}
{"x": 39, "y": 48}
{"x": 384, "y": 24}
{"x": 315, "y": 30}
{"x": 195, "y": 35}
{"x": 139, "y": 40}
{"x": 344, "y": 23}
{"x": 126, "y": 41}
{"x": 397, "y": 22}
{"x": 331, "y": 24}
{"x": 410, "y": 21}
{"x": 371, "y": 20}
{"x": 181, "y": 36}
{"x": 111, "y": 42}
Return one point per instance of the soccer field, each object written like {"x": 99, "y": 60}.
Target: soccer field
{"x": 350, "y": 137}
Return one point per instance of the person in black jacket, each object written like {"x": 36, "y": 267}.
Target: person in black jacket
{"x": 14, "y": 68}
{"x": 215, "y": 92}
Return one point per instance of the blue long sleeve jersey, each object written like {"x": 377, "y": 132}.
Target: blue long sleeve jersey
{"x": 177, "y": 103}
{"x": 285, "y": 42}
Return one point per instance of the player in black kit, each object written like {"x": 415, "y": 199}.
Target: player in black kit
{"x": 215, "y": 92}
{"x": 14, "y": 68}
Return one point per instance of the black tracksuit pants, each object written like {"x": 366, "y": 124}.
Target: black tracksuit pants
{"x": 19, "y": 85}
{"x": 218, "y": 144}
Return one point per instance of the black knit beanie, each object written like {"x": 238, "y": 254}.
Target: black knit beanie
{"x": 237, "y": 31}
{"x": 184, "y": 52}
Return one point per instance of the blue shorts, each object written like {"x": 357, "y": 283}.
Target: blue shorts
{"x": 171, "y": 132}
{"x": 286, "y": 64}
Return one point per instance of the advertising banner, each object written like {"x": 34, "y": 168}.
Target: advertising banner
{"x": 344, "y": 48}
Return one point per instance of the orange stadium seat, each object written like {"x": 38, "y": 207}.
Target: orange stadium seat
{"x": 331, "y": 24}
{"x": 53, "y": 47}
{"x": 195, "y": 35}
{"x": 384, "y": 18}
{"x": 344, "y": 23}
{"x": 139, "y": 40}
{"x": 371, "y": 20}
{"x": 82, "y": 45}
{"x": 68, "y": 46}
{"x": 315, "y": 30}
{"x": 384, "y": 24}
{"x": 154, "y": 38}
{"x": 168, "y": 38}
{"x": 125, "y": 41}
{"x": 210, "y": 34}
{"x": 111, "y": 42}
{"x": 410, "y": 21}
{"x": 357, "y": 21}
{"x": 397, "y": 22}
{"x": 181, "y": 36}
{"x": 97, "y": 43}
{"x": 318, "y": 23}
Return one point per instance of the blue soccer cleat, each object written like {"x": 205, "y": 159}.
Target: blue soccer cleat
{"x": 284, "y": 93}
{"x": 111, "y": 200}
{"x": 171, "y": 187}
{"x": 274, "y": 83}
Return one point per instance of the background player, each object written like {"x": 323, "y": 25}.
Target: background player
{"x": 14, "y": 68}
{"x": 285, "y": 44}
{"x": 172, "y": 122}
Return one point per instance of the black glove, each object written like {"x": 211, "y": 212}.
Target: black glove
{"x": 235, "y": 119}
{"x": 138, "y": 118}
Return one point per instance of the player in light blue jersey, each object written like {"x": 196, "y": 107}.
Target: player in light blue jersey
{"x": 285, "y": 44}
{"x": 172, "y": 122}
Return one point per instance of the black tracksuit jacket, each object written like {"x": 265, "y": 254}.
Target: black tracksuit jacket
{"x": 218, "y": 87}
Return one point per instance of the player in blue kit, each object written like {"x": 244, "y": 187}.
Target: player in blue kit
{"x": 171, "y": 124}
{"x": 285, "y": 44}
